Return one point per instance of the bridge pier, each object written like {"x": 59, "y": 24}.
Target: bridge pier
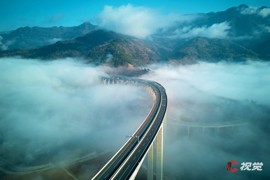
{"x": 156, "y": 149}
{"x": 150, "y": 163}
{"x": 125, "y": 168}
{"x": 159, "y": 154}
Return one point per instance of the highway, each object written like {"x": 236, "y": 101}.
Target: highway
{"x": 126, "y": 160}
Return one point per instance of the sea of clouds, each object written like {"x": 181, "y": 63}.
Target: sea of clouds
{"x": 60, "y": 110}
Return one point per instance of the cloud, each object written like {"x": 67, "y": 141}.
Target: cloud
{"x": 223, "y": 79}
{"x": 59, "y": 110}
{"x": 213, "y": 94}
{"x": 218, "y": 30}
{"x": 54, "y": 40}
{"x": 263, "y": 12}
{"x": 266, "y": 28}
{"x": 3, "y": 46}
{"x": 55, "y": 111}
{"x": 136, "y": 21}
{"x": 249, "y": 10}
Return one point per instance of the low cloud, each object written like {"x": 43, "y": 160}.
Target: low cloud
{"x": 3, "y": 46}
{"x": 215, "y": 94}
{"x": 266, "y": 28}
{"x": 58, "y": 110}
{"x": 249, "y": 10}
{"x": 137, "y": 21}
{"x": 263, "y": 12}
{"x": 54, "y": 40}
{"x": 218, "y": 30}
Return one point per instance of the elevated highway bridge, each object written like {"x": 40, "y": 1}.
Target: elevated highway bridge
{"x": 148, "y": 138}
{"x": 127, "y": 161}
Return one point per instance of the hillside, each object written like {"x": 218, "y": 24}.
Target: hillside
{"x": 98, "y": 47}
{"x": 33, "y": 37}
{"x": 236, "y": 34}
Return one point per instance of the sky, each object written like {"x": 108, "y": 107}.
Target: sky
{"x": 17, "y": 13}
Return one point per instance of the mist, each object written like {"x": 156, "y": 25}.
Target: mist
{"x": 58, "y": 111}
{"x": 215, "y": 94}
{"x": 54, "y": 111}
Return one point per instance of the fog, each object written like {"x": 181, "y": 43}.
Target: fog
{"x": 54, "y": 111}
{"x": 215, "y": 94}
{"x": 218, "y": 30}
{"x": 59, "y": 111}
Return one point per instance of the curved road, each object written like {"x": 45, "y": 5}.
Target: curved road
{"x": 124, "y": 162}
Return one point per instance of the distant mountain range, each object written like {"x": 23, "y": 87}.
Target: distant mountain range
{"x": 34, "y": 37}
{"x": 98, "y": 47}
{"x": 238, "y": 33}
{"x": 234, "y": 35}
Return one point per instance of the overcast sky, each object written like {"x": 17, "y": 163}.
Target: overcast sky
{"x": 17, "y": 13}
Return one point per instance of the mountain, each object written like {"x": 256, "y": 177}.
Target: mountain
{"x": 33, "y": 37}
{"x": 244, "y": 21}
{"x": 98, "y": 47}
{"x": 240, "y": 22}
{"x": 236, "y": 34}
{"x": 212, "y": 50}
